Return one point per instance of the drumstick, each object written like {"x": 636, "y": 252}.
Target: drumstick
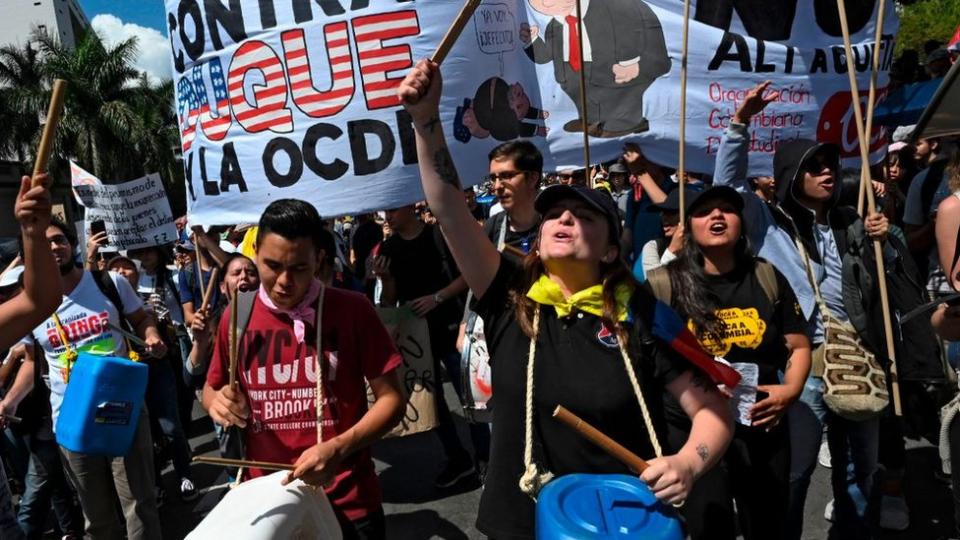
{"x": 13, "y": 419}
{"x": 50, "y": 128}
{"x": 592, "y": 434}
{"x": 454, "y": 31}
{"x": 267, "y": 465}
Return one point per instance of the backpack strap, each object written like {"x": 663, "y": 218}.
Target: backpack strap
{"x": 245, "y": 300}
{"x": 659, "y": 280}
{"x": 768, "y": 280}
{"x": 109, "y": 289}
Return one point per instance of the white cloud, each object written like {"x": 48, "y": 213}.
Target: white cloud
{"x": 153, "y": 47}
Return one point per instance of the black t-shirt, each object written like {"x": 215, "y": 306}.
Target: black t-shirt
{"x": 365, "y": 237}
{"x": 522, "y": 240}
{"x": 578, "y": 365}
{"x": 755, "y": 328}
{"x": 421, "y": 267}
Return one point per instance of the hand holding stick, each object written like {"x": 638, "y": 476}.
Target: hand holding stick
{"x": 592, "y": 434}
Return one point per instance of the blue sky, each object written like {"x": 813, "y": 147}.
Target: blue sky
{"x": 118, "y": 20}
{"x": 148, "y": 13}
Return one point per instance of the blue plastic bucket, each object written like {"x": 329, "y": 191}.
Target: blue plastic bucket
{"x": 101, "y": 406}
{"x": 594, "y": 506}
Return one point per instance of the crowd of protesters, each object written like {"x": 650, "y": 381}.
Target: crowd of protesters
{"x": 563, "y": 269}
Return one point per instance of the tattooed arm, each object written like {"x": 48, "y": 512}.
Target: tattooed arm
{"x": 671, "y": 477}
{"x": 476, "y": 256}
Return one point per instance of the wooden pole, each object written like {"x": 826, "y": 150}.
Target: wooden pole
{"x": 583, "y": 99}
{"x": 871, "y": 208}
{"x": 50, "y": 128}
{"x": 865, "y": 180}
{"x": 592, "y": 434}
{"x": 209, "y": 289}
{"x": 682, "y": 154}
{"x": 234, "y": 346}
{"x": 268, "y": 465}
{"x": 456, "y": 28}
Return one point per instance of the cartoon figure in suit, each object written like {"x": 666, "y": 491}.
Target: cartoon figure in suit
{"x": 500, "y": 110}
{"x": 623, "y": 53}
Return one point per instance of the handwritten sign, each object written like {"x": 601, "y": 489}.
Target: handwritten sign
{"x": 136, "y": 213}
{"x": 412, "y": 338}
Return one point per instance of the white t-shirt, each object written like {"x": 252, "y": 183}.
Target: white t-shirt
{"x": 84, "y": 314}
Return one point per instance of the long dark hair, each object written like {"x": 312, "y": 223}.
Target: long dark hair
{"x": 690, "y": 290}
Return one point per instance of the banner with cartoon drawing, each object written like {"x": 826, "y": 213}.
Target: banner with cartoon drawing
{"x": 297, "y": 99}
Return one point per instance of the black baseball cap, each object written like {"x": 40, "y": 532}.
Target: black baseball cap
{"x": 725, "y": 193}
{"x": 672, "y": 202}
{"x": 601, "y": 201}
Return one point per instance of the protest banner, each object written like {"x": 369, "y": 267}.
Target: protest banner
{"x": 412, "y": 338}
{"x": 136, "y": 213}
{"x": 297, "y": 99}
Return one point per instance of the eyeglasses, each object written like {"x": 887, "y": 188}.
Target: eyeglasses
{"x": 503, "y": 176}
{"x": 60, "y": 240}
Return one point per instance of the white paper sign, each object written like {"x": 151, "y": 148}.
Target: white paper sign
{"x": 745, "y": 393}
{"x": 136, "y": 213}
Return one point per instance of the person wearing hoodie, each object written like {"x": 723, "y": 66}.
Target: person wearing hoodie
{"x": 838, "y": 242}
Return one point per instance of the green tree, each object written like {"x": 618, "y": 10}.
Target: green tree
{"x": 99, "y": 128}
{"x": 23, "y": 96}
{"x": 926, "y": 19}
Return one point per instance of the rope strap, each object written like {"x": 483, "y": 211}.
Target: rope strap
{"x": 532, "y": 479}
{"x": 318, "y": 360}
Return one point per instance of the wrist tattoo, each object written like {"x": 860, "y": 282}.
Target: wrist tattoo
{"x": 443, "y": 165}
{"x": 431, "y": 124}
{"x": 703, "y": 452}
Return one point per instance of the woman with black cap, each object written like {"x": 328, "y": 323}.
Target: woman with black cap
{"x": 559, "y": 331}
{"x": 743, "y": 310}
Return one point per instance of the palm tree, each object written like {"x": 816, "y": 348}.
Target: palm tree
{"x": 22, "y": 98}
{"x": 100, "y": 125}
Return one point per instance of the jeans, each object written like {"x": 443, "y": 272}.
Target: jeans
{"x": 8, "y": 521}
{"x": 46, "y": 484}
{"x": 161, "y": 400}
{"x": 100, "y": 480}
{"x": 854, "y": 448}
{"x": 479, "y": 432}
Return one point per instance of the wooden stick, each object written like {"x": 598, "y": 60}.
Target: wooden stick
{"x": 133, "y": 338}
{"x": 209, "y": 289}
{"x": 682, "y": 155}
{"x": 50, "y": 128}
{"x": 267, "y": 465}
{"x": 456, "y": 28}
{"x": 198, "y": 262}
{"x": 584, "y": 123}
{"x": 871, "y": 207}
{"x": 233, "y": 343}
{"x": 865, "y": 180}
{"x": 592, "y": 434}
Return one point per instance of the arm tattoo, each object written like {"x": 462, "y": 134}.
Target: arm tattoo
{"x": 703, "y": 452}
{"x": 431, "y": 124}
{"x": 443, "y": 165}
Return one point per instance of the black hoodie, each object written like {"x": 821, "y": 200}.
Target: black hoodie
{"x": 861, "y": 294}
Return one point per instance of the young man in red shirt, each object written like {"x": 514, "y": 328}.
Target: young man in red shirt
{"x": 277, "y": 373}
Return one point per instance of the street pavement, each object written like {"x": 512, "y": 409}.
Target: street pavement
{"x": 415, "y": 510}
